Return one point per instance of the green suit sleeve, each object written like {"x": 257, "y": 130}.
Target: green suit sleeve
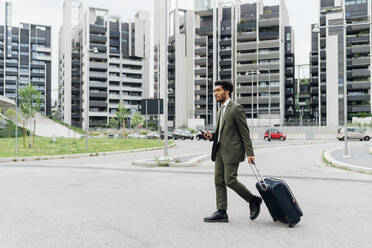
{"x": 241, "y": 123}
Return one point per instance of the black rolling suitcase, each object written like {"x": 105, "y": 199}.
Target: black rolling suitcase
{"x": 279, "y": 199}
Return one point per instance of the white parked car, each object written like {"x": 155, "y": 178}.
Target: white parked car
{"x": 352, "y": 133}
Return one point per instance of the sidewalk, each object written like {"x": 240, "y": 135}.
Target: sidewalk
{"x": 360, "y": 158}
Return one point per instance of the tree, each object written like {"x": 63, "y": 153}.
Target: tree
{"x": 122, "y": 114}
{"x": 30, "y": 102}
{"x": 10, "y": 113}
{"x": 136, "y": 119}
{"x": 113, "y": 123}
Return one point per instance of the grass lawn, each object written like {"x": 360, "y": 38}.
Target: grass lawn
{"x": 45, "y": 146}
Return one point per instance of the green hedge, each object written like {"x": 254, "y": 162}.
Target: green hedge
{"x": 8, "y": 130}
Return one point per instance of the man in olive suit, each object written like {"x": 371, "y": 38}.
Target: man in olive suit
{"x": 231, "y": 143}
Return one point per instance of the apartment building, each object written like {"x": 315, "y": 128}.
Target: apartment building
{"x": 254, "y": 45}
{"x": 180, "y": 61}
{"x": 103, "y": 60}
{"x": 327, "y": 60}
{"x": 25, "y": 55}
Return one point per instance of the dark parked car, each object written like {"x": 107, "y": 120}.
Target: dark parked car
{"x": 153, "y": 135}
{"x": 199, "y": 135}
{"x": 182, "y": 134}
{"x": 170, "y": 135}
{"x": 275, "y": 134}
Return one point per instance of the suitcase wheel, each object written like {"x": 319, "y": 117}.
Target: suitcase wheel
{"x": 290, "y": 225}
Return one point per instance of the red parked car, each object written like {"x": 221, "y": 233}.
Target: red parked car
{"x": 275, "y": 134}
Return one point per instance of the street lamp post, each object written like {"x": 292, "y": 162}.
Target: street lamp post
{"x": 317, "y": 30}
{"x": 95, "y": 51}
{"x": 252, "y": 71}
{"x": 16, "y": 127}
{"x": 269, "y": 93}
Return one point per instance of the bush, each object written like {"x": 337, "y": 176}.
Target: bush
{"x": 8, "y": 131}
{"x": 193, "y": 131}
{"x": 360, "y": 115}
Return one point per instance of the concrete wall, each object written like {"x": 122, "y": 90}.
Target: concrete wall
{"x": 332, "y": 80}
{"x": 323, "y": 133}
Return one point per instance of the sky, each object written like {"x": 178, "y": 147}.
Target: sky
{"x": 302, "y": 13}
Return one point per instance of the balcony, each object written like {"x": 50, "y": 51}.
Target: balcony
{"x": 208, "y": 30}
{"x": 247, "y": 36}
{"x": 246, "y": 67}
{"x": 225, "y": 53}
{"x": 101, "y": 48}
{"x": 360, "y": 48}
{"x": 289, "y": 61}
{"x": 268, "y": 44}
{"x": 361, "y": 38}
{"x": 96, "y": 29}
{"x": 201, "y": 71}
{"x": 289, "y": 82}
{"x": 98, "y": 55}
{"x": 270, "y": 66}
{"x": 246, "y": 26}
{"x": 201, "y": 61}
{"x": 201, "y": 41}
{"x": 200, "y": 102}
{"x": 360, "y": 61}
{"x": 358, "y": 85}
{"x": 96, "y": 123}
{"x": 201, "y": 82}
{"x": 358, "y": 97}
{"x": 360, "y": 73}
{"x": 268, "y": 22}
{"x": 314, "y": 70}
{"x": 114, "y": 34}
{"x": 270, "y": 35}
{"x": 97, "y": 84}
{"x": 225, "y": 42}
{"x": 97, "y": 65}
{"x": 98, "y": 104}
{"x": 200, "y": 111}
{"x": 246, "y": 46}
{"x": 269, "y": 55}
{"x": 93, "y": 74}
{"x": 246, "y": 57}
{"x": 98, "y": 94}
{"x": 225, "y": 73}
{"x": 201, "y": 51}
{"x": 289, "y": 72}
{"x": 94, "y": 38}
{"x": 225, "y": 62}
{"x": 359, "y": 108}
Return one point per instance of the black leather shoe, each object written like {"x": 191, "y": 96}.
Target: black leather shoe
{"x": 255, "y": 207}
{"x": 217, "y": 217}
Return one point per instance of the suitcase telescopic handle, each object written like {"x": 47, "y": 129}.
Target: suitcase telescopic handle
{"x": 259, "y": 174}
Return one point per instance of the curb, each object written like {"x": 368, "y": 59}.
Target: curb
{"x": 330, "y": 161}
{"x": 79, "y": 155}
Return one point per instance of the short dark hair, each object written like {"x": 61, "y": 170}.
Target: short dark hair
{"x": 226, "y": 85}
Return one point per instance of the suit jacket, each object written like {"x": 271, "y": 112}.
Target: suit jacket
{"x": 235, "y": 140}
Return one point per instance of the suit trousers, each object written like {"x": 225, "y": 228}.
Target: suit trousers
{"x": 225, "y": 174}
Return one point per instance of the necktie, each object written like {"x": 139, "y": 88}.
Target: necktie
{"x": 220, "y": 124}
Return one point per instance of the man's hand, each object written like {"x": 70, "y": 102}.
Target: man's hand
{"x": 251, "y": 159}
{"x": 207, "y": 135}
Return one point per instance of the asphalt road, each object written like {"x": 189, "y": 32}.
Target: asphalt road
{"x": 107, "y": 202}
